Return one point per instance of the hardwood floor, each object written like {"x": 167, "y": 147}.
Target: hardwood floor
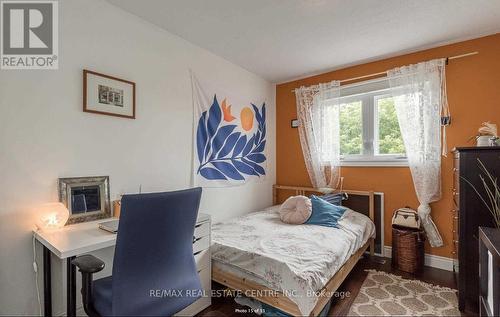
{"x": 225, "y": 306}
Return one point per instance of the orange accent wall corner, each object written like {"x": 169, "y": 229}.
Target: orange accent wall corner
{"x": 473, "y": 85}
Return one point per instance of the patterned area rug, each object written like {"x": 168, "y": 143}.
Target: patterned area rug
{"x": 384, "y": 294}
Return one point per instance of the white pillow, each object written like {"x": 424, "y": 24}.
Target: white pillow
{"x": 296, "y": 210}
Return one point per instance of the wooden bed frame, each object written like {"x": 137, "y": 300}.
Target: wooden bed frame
{"x": 280, "y": 301}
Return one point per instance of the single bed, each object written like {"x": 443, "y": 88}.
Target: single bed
{"x": 295, "y": 268}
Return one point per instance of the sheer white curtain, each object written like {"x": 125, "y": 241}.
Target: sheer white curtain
{"x": 318, "y": 115}
{"x": 420, "y": 97}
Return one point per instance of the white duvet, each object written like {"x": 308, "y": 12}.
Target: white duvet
{"x": 295, "y": 259}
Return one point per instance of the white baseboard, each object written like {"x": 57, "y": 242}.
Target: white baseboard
{"x": 436, "y": 261}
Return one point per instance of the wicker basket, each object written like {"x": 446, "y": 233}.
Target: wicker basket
{"x": 408, "y": 249}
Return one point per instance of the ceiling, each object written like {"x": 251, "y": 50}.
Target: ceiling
{"x": 282, "y": 40}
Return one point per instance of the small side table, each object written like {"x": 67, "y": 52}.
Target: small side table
{"x": 489, "y": 271}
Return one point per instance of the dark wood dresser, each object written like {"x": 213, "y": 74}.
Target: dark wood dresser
{"x": 469, "y": 214}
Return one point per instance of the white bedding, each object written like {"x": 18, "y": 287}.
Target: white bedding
{"x": 295, "y": 259}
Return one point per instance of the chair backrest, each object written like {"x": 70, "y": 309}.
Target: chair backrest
{"x": 154, "y": 272}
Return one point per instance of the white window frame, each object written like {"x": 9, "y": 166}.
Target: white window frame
{"x": 368, "y": 93}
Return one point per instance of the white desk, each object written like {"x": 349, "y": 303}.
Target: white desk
{"x": 74, "y": 240}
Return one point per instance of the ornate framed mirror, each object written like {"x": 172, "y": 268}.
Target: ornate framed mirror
{"x": 87, "y": 198}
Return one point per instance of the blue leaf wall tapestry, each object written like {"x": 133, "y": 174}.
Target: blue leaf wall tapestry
{"x": 230, "y": 140}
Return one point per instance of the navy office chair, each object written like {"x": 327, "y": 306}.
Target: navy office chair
{"x": 154, "y": 271}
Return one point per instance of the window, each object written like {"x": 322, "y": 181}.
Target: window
{"x": 389, "y": 139}
{"x": 351, "y": 128}
{"x": 369, "y": 128}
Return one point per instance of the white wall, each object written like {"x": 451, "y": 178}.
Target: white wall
{"x": 45, "y": 135}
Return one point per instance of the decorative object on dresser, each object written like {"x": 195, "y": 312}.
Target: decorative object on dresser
{"x": 104, "y": 94}
{"x": 468, "y": 214}
{"x": 487, "y": 135}
{"x": 489, "y": 271}
{"x": 87, "y": 198}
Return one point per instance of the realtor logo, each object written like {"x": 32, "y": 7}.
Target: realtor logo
{"x": 29, "y": 35}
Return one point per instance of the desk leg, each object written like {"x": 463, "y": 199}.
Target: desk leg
{"x": 47, "y": 283}
{"x": 70, "y": 288}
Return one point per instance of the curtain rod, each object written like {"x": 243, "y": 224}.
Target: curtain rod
{"x": 385, "y": 73}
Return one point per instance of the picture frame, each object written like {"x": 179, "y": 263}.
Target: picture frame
{"x": 87, "y": 198}
{"x": 108, "y": 95}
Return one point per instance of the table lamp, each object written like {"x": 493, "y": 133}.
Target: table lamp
{"x": 52, "y": 216}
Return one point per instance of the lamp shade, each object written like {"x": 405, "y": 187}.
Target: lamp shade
{"x": 52, "y": 216}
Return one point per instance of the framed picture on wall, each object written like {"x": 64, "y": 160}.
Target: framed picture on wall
{"x": 104, "y": 94}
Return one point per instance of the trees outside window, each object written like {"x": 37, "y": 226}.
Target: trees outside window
{"x": 369, "y": 130}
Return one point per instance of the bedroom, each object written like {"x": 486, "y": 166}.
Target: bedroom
{"x": 114, "y": 92}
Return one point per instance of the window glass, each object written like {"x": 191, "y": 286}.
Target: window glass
{"x": 351, "y": 128}
{"x": 367, "y": 126}
{"x": 389, "y": 135}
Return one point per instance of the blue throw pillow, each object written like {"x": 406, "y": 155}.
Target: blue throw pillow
{"x": 324, "y": 213}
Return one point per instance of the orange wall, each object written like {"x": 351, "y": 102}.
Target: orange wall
{"x": 473, "y": 85}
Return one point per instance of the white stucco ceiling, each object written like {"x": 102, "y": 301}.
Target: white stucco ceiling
{"x": 287, "y": 39}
